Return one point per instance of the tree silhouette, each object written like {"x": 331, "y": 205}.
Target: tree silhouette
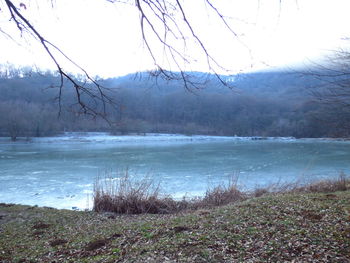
{"x": 166, "y": 21}
{"x": 332, "y": 90}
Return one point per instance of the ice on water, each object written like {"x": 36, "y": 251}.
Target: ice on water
{"x": 60, "y": 171}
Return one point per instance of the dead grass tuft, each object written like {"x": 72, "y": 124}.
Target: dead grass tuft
{"x": 123, "y": 195}
{"x": 221, "y": 195}
{"x": 342, "y": 183}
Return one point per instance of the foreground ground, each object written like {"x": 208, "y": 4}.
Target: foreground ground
{"x": 299, "y": 227}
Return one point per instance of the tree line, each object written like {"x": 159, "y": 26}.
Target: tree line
{"x": 262, "y": 104}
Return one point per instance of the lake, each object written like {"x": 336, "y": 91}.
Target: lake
{"x": 60, "y": 171}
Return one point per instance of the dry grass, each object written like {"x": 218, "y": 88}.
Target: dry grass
{"x": 342, "y": 183}
{"x": 294, "y": 227}
{"x": 124, "y": 195}
{"x": 222, "y": 194}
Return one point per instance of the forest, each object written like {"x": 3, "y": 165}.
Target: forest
{"x": 266, "y": 103}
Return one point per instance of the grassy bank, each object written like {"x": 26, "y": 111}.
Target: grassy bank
{"x": 125, "y": 195}
{"x": 305, "y": 227}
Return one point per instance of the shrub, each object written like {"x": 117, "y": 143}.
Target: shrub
{"x": 342, "y": 183}
{"x": 126, "y": 196}
{"x": 330, "y": 185}
{"x": 123, "y": 195}
{"x": 223, "y": 194}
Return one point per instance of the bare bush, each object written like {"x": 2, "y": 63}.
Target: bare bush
{"x": 124, "y": 195}
{"x": 223, "y": 194}
{"x": 342, "y": 183}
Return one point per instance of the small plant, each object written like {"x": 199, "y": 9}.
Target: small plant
{"x": 123, "y": 195}
{"x": 340, "y": 184}
{"x": 223, "y": 194}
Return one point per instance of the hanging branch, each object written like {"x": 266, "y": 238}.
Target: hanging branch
{"x": 333, "y": 89}
{"x": 97, "y": 93}
{"x": 165, "y": 21}
{"x": 171, "y": 17}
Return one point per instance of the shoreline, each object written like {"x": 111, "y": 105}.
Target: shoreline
{"x": 72, "y": 194}
{"x": 222, "y": 192}
{"x": 307, "y": 227}
{"x": 100, "y": 137}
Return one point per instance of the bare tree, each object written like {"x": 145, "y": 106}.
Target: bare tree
{"x": 335, "y": 76}
{"x": 166, "y": 21}
{"x": 96, "y": 93}
{"x": 332, "y": 90}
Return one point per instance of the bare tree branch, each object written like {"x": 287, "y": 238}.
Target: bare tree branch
{"x": 165, "y": 21}
{"x": 332, "y": 89}
{"x": 24, "y": 25}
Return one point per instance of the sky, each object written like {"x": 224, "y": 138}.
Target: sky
{"x": 105, "y": 38}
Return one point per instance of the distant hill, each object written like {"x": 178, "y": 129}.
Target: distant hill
{"x": 271, "y": 83}
{"x": 270, "y": 103}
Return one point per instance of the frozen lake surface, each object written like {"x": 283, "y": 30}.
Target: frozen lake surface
{"x": 60, "y": 171}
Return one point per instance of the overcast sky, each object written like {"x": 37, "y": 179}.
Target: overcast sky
{"x": 105, "y": 38}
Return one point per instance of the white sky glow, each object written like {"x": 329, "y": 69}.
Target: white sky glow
{"x": 105, "y": 38}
